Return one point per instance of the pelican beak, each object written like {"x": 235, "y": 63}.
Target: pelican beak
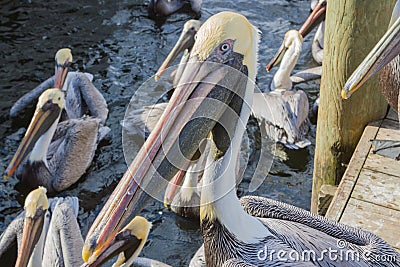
{"x": 315, "y": 18}
{"x": 45, "y": 116}
{"x": 204, "y": 92}
{"x": 128, "y": 242}
{"x": 278, "y": 57}
{"x": 184, "y": 43}
{"x": 33, "y": 224}
{"x": 385, "y": 50}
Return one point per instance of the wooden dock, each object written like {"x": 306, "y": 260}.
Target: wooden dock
{"x": 368, "y": 196}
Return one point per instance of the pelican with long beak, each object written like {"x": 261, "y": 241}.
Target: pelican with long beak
{"x": 318, "y": 8}
{"x": 286, "y": 114}
{"x": 183, "y": 45}
{"x": 384, "y": 56}
{"x": 47, "y": 232}
{"x": 127, "y": 244}
{"x": 210, "y": 89}
{"x": 229, "y": 232}
{"x": 59, "y": 164}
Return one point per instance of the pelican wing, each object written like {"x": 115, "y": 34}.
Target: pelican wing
{"x": 302, "y": 229}
{"x": 283, "y": 114}
{"x": 75, "y": 152}
{"x": 237, "y": 263}
{"x": 31, "y": 97}
{"x": 64, "y": 241}
{"x": 10, "y": 239}
{"x": 83, "y": 98}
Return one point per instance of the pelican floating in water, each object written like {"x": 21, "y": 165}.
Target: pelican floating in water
{"x": 47, "y": 232}
{"x": 60, "y": 164}
{"x": 53, "y": 154}
{"x": 223, "y": 56}
{"x": 283, "y": 110}
{"x": 163, "y": 8}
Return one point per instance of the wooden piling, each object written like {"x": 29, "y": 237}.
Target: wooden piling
{"x": 352, "y": 29}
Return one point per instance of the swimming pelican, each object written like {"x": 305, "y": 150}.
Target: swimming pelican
{"x": 82, "y": 97}
{"x": 47, "y": 232}
{"x": 58, "y": 165}
{"x": 162, "y": 8}
{"x": 286, "y": 114}
{"x": 228, "y": 230}
{"x": 385, "y": 56}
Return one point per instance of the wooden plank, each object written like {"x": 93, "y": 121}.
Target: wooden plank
{"x": 389, "y": 130}
{"x": 392, "y": 115}
{"x": 382, "y": 164}
{"x": 378, "y": 220}
{"x": 378, "y": 188}
{"x": 350, "y": 177}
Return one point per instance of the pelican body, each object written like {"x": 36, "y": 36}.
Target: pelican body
{"x": 61, "y": 139}
{"x": 283, "y": 110}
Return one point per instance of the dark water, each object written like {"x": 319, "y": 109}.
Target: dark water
{"x": 122, "y": 47}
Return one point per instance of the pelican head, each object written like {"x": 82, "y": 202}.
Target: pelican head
{"x": 63, "y": 60}
{"x": 184, "y": 43}
{"x": 36, "y": 205}
{"x": 217, "y": 78}
{"x": 127, "y": 243}
{"x": 315, "y": 17}
{"x": 291, "y": 37}
{"x": 384, "y": 51}
{"x": 41, "y": 129}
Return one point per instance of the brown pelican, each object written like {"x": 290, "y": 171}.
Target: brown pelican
{"x": 53, "y": 154}
{"x": 286, "y": 116}
{"x": 228, "y": 230}
{"x": 385, "y": 56}
{"x": 162, "y": 8}
{"x": 47, "y": 232}
{"x": 183, "y": 45}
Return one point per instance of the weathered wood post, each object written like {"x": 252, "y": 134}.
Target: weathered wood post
{"x": 352, "y": 28}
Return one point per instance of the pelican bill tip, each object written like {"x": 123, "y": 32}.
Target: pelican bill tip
{"x": 345, "y": 94}
{"x": 86, "y": 253}
{"x": 156, "y": 77}
{"x": 5, "y": 177}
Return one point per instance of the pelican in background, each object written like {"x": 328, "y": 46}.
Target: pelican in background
{"x": 163, "y": 8}
{"x": 82, "y": 97}
{"x": 385, "y": 59}
{"x": 183, "y": 45}
{"x": 229, "y": 232}
{"x": 286, "y": 115}
{"x": 317, "y": 48}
